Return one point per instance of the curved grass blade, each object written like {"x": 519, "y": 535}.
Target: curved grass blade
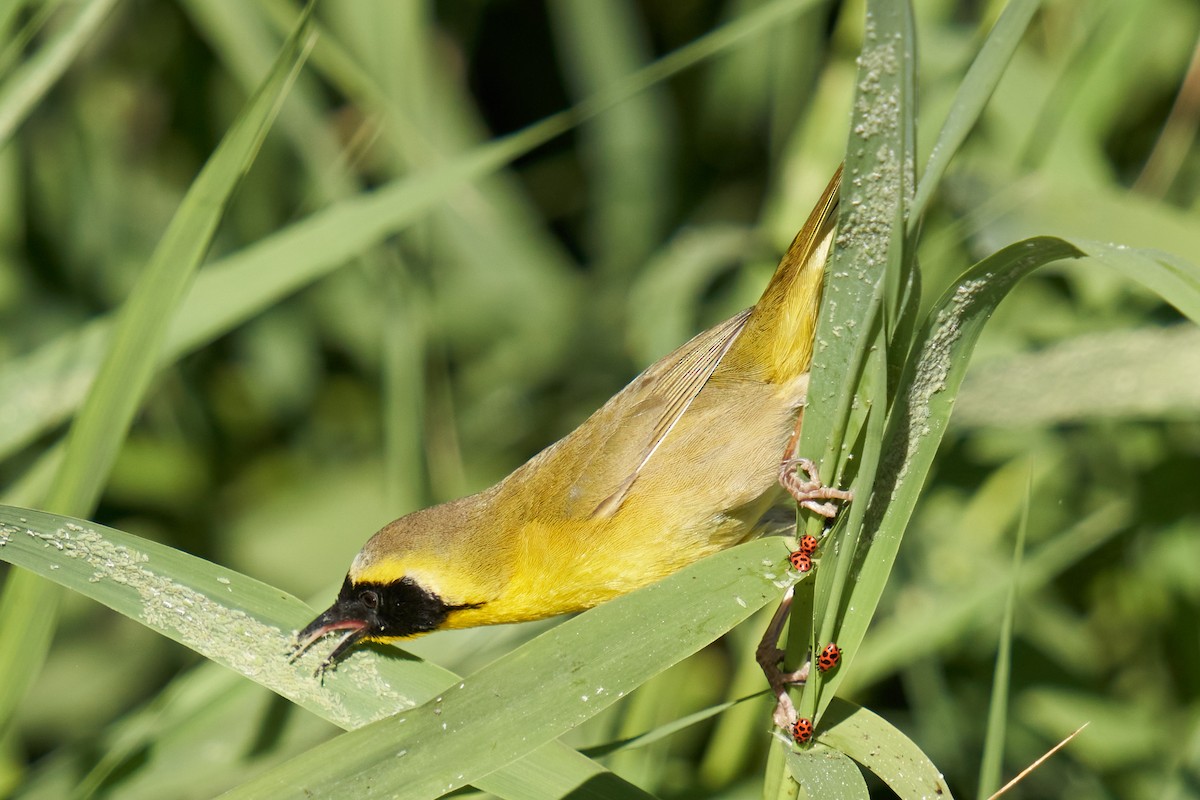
{"x": 972, "y": 95}
{"x": 917, "y": 422}
{"x": 871, "y": 741}
{"x": 544, "y": 688}
{"x": 30, "y": 82}
{"x": 220, "y": 707}
{"x": 248, "y": 626}
{"x": 932, "y": 378}
{"x": 227, "y": 617}
{"x": 29, "y": 605}
{"x": 1174, "y": 279}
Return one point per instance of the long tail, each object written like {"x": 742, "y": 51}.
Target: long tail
{"x": 776, "y": 344}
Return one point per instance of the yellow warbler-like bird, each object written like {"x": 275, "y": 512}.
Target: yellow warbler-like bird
{"x": 683, "y": 462}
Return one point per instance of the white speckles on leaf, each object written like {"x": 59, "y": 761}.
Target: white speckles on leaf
{"x": 224, "y": 634}
{"x": 935, "y": 366}
{"x": 872, "y": 193}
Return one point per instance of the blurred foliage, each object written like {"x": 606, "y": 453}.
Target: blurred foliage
{"x": 438, "y": 360}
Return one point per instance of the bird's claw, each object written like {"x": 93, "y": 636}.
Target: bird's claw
{"x": 799, "y": 476}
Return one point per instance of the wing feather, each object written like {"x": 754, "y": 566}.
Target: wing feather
{"x": 670, "y": 387}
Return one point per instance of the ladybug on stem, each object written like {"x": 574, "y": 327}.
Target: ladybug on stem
{"x": 802, "y": 562}
{"x": 829, "y": 657}
{"x": 802, "y": 557}
{"x": 802, "y": 731}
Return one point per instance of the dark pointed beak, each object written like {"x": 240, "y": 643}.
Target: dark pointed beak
{"x": 346, "y": 614}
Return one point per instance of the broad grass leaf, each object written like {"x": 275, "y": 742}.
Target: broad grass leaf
{"x": 879, "y": 747}
{"x": 248, "y": 627}
{"x": 544, "y": 688}
{"x": 827, "y": 773}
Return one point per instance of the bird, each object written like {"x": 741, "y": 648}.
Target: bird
{"x": 685, "y": 461}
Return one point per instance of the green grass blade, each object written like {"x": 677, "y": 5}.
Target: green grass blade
{"x": 29, "y": 83}
{"x": 972, "y": 95}
{"x": 865, "y": 275}
{"x": 142, "y": 324}
{"x": 227, "y": 617}
{"x": 539, "y": 691}
{"x": 997, "y": 724}
{"x": 30, "y": 605}
{"x": 666, "y": 730}
{"x": 918, "y": 419}
{"x": 889, "y": 754}
{"x": 871, "y": 203}
{"x": 827, "y": 773}
{"x": 996, "y": 213}
{"x": 993, "y": 749}
{"x": 556, "y": 771}
{"x": 932, "y": 378}
{"x": 1174, "y": 279}
{"x": 248, "y": 626}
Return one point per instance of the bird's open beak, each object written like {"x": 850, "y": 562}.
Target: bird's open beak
{"x": 341, "y": 616}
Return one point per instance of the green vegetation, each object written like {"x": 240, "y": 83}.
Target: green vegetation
{"x": 470, "y": 224}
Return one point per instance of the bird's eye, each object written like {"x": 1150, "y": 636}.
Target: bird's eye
{"x": 369, "y": 598}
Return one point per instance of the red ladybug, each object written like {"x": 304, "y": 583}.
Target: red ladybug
{"x": 801, "y": 561}
{"x": 807, "y": 545}
{"x": 829, "y": 657}
{"x": 802, "y": 731}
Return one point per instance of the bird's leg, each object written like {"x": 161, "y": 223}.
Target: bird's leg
{"x": 808, "y": 490}
{"x": 770, "y": 657}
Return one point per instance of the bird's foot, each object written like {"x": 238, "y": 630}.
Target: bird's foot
{"x": 799, "y": 476}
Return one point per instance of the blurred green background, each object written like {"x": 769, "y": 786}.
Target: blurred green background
{"x": 439, "y": 358}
